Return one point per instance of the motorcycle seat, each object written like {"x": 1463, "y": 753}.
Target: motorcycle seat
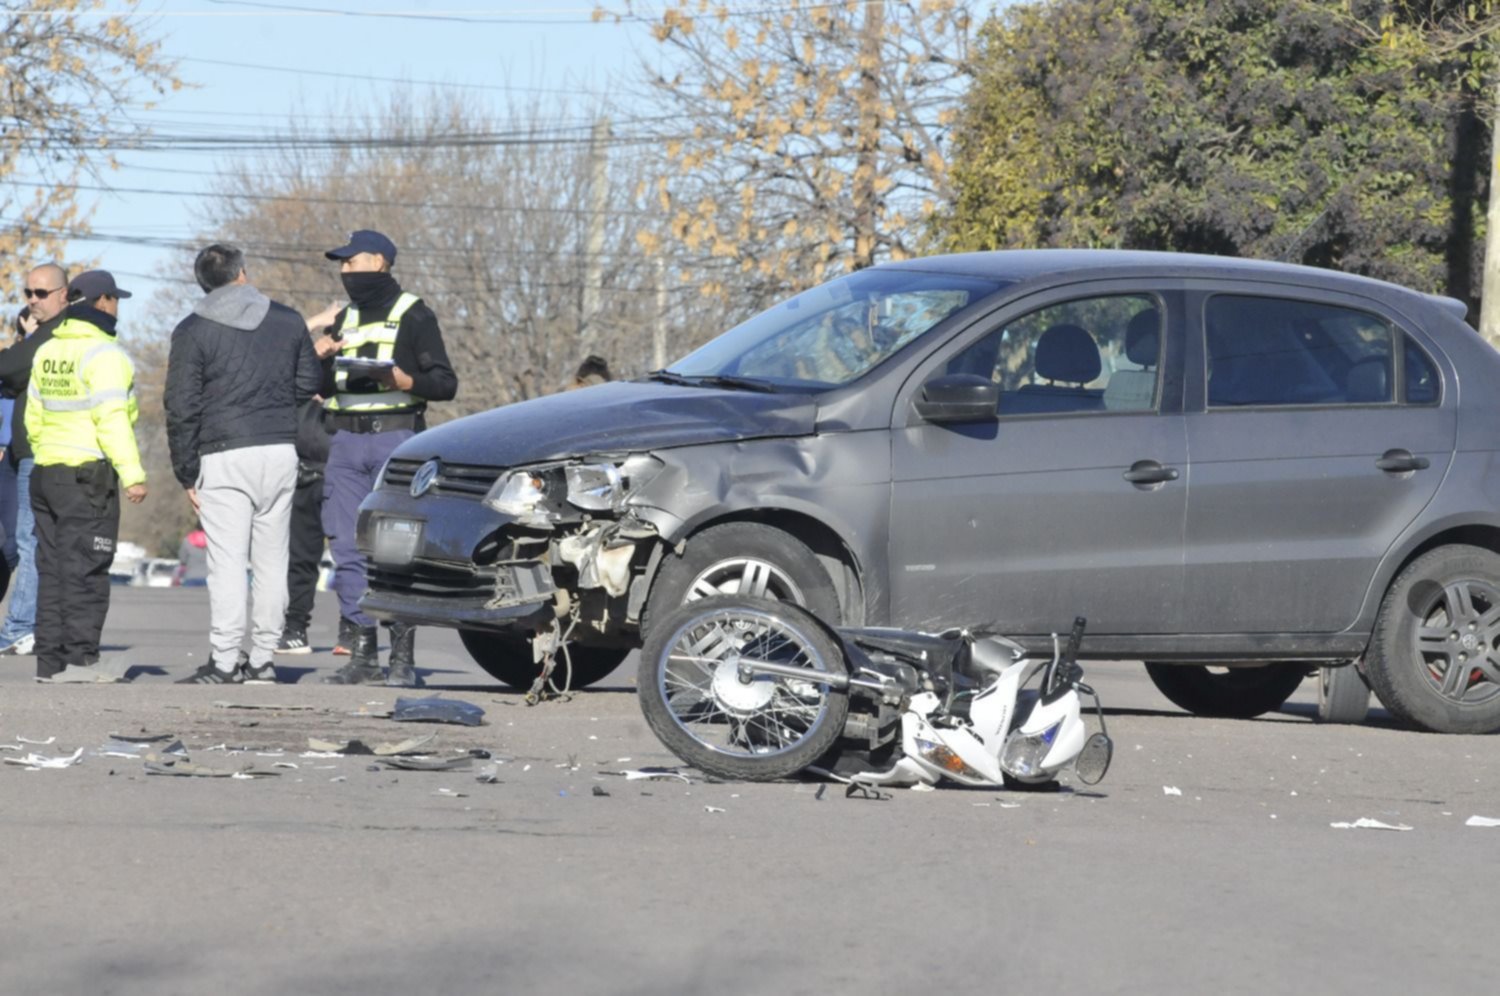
{"x": 937, "y": 655}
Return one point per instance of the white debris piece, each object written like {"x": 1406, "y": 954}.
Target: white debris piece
{"x": 36, "y": 762}
{"x": 923, "y": 787}
{"x": 714, "y": 809}
{"x": 39, "y": 743}
{"x": 1482, "y": 821}
{"x": 654, "y": 773}
{"x": 1365, "y": 823}
{"x": 1170, "y": 790}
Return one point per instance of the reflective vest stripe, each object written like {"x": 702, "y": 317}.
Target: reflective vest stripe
{"x": 357, "y": 337}
{"x": 96, "y": 454}
{"x": 78, "y": 404}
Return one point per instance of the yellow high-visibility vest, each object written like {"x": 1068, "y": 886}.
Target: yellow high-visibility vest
{"x": 357, "y": 337}
{"x": 80, "y": 404}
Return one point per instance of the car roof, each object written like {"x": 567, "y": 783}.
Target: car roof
{"x": 1024, "y": 265}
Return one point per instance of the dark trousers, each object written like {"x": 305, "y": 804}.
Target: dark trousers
{"x": 306, "y": 547}
{"x": 8, "y": 499}
{"x": 77, "y": 522}
{"x": 354, "y": 460}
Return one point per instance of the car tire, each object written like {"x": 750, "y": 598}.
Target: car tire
{"x": 1343, "y": 695}
{"x": 723, "y": 559}
{"x": 1234, "y": 693}
{"x": 507, "y": 658}
{"x": 1433, "y": 619}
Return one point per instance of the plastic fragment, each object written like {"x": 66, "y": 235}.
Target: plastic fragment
{"x": 39, "y": 743}
{"x": 37, "y": 762}
{"x": 922, "y": 787}
{"x": 450, "y": 793}
{"x": 436, "y": 709}
{"x": 714, "y": 809}
{"x": 488, "y": 775}
{"x": 1170, "y": 790}
{"x": 652, "y": 774}
{"x": 141, "y": 738}
{"x": 461, "y": 763}
{"x": 1365, "y": 823}
{"x": 599, "y": 791}
{"x": 1481, "y": 821}
{"x": 818, "y": 795}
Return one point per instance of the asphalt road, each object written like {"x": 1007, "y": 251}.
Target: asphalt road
{"x": 332, "y": 878}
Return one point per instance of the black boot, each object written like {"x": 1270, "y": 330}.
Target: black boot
{"x": 403, "y": 666}
{"x": 347, "y": 632}
{"x": 364, "y": 661}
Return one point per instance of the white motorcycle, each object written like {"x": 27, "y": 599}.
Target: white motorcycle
{"x": 758, "y": 690}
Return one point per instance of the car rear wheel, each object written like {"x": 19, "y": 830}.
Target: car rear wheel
{"x": 507, "y": 657}
{"x": 1434, "y": 660}
{"x": 1227, "y": 692}
{"x": 746, "y": 559}
{"x": 1343, "y": 695}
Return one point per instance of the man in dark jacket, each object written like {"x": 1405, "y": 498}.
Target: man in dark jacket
{"x": 47, "y": 303}
{"x": 239, "y": 366}
{"x": 384, "y": 360}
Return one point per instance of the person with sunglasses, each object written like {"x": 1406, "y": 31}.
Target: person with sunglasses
{"x": 46, "y": 306}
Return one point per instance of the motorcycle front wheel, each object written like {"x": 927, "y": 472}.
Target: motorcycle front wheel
{"x": 724, "y": 718}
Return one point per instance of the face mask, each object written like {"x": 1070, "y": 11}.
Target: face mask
{"x": 367, "y": 289}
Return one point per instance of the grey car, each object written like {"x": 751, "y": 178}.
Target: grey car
{"x": 1238, "y": 471}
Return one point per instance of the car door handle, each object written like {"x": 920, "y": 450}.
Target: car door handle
{"x": 1150, "y": 472}
{"x": 1401, "y": 461}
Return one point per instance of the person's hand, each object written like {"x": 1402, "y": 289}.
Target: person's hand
{"x": 324, "y": 318}
{"x": 192, "y": 494}
{"x": 326, "y": 346}
{"x": 136, "y": 493}
{"x": 394, "y": 377}
{"x": 29, "y": 322}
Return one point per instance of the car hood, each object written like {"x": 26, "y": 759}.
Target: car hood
{"x": 617, "y": 417}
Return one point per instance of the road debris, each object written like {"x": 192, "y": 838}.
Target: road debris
{"x": 334, "y": 748}
{"x": 36, "y": 762}
{"x": 818, "y": 795}
{"x": 265, "y": 706}
{"x": 436, "y": 709}
{"x": 714, "y": 809}
{"x": 1481, "y": 821}
{"x": 599, "y": 791}
{"x": 187, "y": 769}
{"x": 460, "y": 763}
{"x": 488, "y": 775}
{"x": 1170, "y": 790}
{"x": 142, "y": 737}
{"x": 451, "y": 794}
{"x": 652, "y": 774}
{"x": 1365, "y": 823}
{"x": 38, "y": 743}
{"x": 866, "y": 791}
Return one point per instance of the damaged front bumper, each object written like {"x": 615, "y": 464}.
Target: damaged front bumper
{"x": 444, "y": 557}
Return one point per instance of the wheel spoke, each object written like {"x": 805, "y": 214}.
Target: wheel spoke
{"x": 702, "y": 588}
{"x": 1433, "y": 638}
{"x": 755, "y": 579}
{"x": 1489, "y": 665}
{"x": 1459, "y": 601}
{"x": 1456, "y": 679}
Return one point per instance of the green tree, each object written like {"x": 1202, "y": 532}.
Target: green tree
{"x": 1337, "y": 134}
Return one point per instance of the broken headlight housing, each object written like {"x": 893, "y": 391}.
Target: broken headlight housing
{"x": 535, "y": 496}
{"x": 1024, "y": 753}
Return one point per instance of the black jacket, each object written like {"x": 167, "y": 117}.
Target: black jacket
{"x": 419, "y": 350}
{"x": 15, "y": 375}
{"x": 239, "y": 366}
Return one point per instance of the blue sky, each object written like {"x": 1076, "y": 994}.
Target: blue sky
{"x": 496, "y": 49}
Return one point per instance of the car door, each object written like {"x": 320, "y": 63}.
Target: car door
{"x": 1317, "y": 432}
{"x": 1071, "y": 501}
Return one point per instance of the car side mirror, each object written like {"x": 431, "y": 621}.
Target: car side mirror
{"x": 958, "y": 398}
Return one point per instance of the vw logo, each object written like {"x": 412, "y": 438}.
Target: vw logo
{"x": 422, "y": 480}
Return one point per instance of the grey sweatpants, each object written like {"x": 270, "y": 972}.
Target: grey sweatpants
{"x": 245, "y": 504}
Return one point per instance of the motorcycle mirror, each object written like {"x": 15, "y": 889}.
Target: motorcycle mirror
{"x": 1093, "y": 760}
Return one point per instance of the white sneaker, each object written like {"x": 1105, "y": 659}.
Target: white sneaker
{"x": 21, "y": 648}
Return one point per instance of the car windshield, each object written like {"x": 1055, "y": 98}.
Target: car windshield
{"x": 834, "y": 333}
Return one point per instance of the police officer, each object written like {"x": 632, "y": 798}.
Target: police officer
{"x": 81, "y": 412}
{"x": 373, "y": 407}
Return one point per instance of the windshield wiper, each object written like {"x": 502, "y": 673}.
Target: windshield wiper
{"x": 714, "y": 380}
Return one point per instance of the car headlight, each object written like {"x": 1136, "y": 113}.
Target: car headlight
{"x": 520, "y": 494}
{"x": 1023, "y": 754}
{"x": 595, "y": 487}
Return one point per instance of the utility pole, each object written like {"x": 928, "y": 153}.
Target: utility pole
{"x": 866, "y": 210}
{"x": 659, "y": 330}
{"x": 1489, "y": 303}
{"x": 593, "y": 269}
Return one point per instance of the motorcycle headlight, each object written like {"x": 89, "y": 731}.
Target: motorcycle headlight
{"x": 520, "y": 494}
{"x": 1024, "y": 753}
{"x": 595, "y": 487}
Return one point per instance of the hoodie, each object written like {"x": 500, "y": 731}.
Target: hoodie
{"x": 239, "y": 366}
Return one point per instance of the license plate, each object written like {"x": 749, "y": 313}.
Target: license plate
{"x": 396, "y": 540}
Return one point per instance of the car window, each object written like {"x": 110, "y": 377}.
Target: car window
{"x": 1278, "y": 351}
{"x": 1422, "y": 384}
{"x": 838, "y": 331}
{"x": 1097, "y": 354}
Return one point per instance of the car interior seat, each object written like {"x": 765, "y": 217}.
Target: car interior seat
{"x": 1369, "y": 382}
{"x": 1067, "y": 358}
{"x": 1135, "y": 390}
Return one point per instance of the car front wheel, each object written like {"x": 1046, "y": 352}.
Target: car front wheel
{"x": 1227, "y": 692}
{"x": 1434, "y": 660}
{"x": 507, "y": 657}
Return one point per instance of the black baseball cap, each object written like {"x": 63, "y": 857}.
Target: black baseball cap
{"x": 365, "y": 240}
{"x": 94, "y": 283}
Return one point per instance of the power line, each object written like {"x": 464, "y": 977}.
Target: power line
{"x": 342, "y": 201}
{"x": 298, "y": 71}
